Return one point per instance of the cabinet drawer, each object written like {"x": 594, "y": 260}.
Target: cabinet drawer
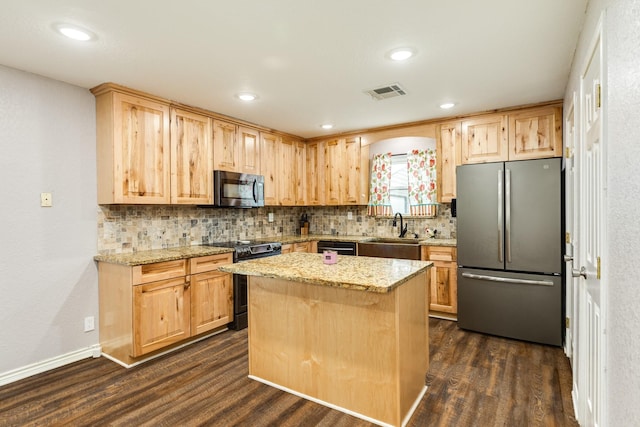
{"x": 439, "y": 253}
{"x": 210, "y": 262}
{"x": 159, "y": 271}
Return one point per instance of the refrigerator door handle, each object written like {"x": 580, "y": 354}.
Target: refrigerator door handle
{"x": 500, "y": 222}
{"x": 507, "y": 280}
{"x": 507, "y": 192}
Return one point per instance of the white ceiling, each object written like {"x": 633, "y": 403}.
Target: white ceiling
{"x": 309, "y": 61}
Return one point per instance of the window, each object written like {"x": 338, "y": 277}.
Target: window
{"x": 398, "y": 190}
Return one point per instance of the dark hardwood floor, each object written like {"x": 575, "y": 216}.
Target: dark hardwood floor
{"x": 474, "y": 380}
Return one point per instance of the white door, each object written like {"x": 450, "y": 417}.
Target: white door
{"x": 571, "y": 224}
{"x": 591, "y": 148}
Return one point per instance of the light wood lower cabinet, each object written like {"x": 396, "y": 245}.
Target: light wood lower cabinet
{"x": 443, "y": 281}
{"x": 299, "y": 247}
{"x": 150, "y": 307}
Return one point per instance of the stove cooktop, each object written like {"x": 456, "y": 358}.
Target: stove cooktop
{"x": 248, "y": 249}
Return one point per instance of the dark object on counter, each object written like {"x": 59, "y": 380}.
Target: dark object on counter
{"x": 304, "y": 225}
{"x": 342, "y": 248}
{"x": 403, "y": 230}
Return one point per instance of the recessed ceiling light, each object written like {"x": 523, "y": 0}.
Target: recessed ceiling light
{"x": 402, "y": 54}
{"x": 246, "y": 96}
{"x": 327, "y": 126}
{"x": 447, "y": 105}
{"x": 74, "y": 32}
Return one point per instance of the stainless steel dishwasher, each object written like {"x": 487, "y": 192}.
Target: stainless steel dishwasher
{"x": 342, "y": 248}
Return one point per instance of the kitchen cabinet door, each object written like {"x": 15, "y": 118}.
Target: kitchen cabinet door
{"x": 225, "y": 146}
{"x": 333, "y": 152}
{"x": 191, "y": 158}
{"x": 160, "y": 314}
{"x": 249, "y": 155}
{"x": 351, "y": 175}
{"x": 211, "y": 301}
{"x": 315, "y": 179}
{"x": 301, "y": 167}
{"x": 132, "y": 149}
{"x": 485, "y": 139}
{"x": 448, "y": 139}
{"x": 287, "y": 172}
{"x": 443, "y": 301}
{"x": 269, "y": 144}
{"x": 535, "y": 133}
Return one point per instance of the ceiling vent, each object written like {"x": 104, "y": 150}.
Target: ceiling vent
{"x": 384, "y": 92}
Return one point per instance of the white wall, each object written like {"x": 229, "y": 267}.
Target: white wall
{"x": 622, "y": 200}
{"x": 48, "y": 280}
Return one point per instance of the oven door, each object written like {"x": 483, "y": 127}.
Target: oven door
{"x": 238, "y": 190}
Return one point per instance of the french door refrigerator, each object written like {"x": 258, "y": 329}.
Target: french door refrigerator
{"x": 510, "y": 244}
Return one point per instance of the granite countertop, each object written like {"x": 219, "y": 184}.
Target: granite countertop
{"x": 360, "y": 273}
{"x": 170, "y": 254}
{"x": 160, "y": 255}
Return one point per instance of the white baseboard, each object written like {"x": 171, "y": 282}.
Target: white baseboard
{"x": 47, "y": 365}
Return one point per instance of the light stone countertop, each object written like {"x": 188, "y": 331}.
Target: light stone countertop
{"x": 360, "y": 273}
{"x": 161, "y": 255}
{"x": 170, "y": 254}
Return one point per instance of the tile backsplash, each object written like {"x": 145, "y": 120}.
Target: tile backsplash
{"x": 132, "y": 228}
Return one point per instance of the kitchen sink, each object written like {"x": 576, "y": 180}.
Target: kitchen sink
{"x": 401, "y": 240}
{"x": 402, "y": 248}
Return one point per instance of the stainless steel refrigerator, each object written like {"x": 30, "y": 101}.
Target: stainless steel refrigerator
{"x": 510, "y": 244}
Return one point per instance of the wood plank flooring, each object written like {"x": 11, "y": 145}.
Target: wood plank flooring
{"x": 474, "y": 380}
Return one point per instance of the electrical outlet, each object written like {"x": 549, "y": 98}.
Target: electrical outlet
{"x": 349, "y": 215}
{"x": 270, "y": 217}
{"x": 46, "y": 200}
{"x": 89, "y": 324}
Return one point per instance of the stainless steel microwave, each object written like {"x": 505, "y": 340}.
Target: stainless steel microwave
{"x": 237, "y": 190}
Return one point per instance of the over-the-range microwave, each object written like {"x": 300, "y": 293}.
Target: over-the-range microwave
{"x": 237, "y": 190}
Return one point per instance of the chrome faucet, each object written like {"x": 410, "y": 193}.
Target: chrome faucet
{"x": 403, "y": 230}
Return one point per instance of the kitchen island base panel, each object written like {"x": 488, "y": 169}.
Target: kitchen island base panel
{"x": 363, "y": 352}
{"x": 346, "y": 411}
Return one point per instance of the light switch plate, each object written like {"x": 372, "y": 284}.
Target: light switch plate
{"x": 349, "y": 215}
{"x": 45, "y": 200}
{"x": 270, "y": 216}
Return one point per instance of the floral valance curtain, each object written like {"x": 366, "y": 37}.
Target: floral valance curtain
{"x": 379, "y": 200}
{"x": 421, "y": 166}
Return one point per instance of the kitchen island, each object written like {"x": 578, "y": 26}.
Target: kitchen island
{"x": 352, "y": 335}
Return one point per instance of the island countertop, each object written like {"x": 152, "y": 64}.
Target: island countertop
{"x": 359, "y": 273}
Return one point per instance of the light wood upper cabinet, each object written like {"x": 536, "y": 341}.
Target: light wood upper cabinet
{"x": 249, "y": 150}
{"x": 225, "y": 146}
{"x": 269, "y": 167}
{"x": 528, "y": 133}
{"x": 315, "y": 173}
{"x": 484, "y": 139}
{"x": 342, "y": 171}
{"x": 351, "y": 178}
{"x": 333, "y": 152}
{"x": 287, "y": 173}
{"x": 448, "y": 156}
{"x": 535, "y": 133}
{"x": 301, "y": 169}
{"x": 191, "y": 158}
{"x": 132, "y": 149}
